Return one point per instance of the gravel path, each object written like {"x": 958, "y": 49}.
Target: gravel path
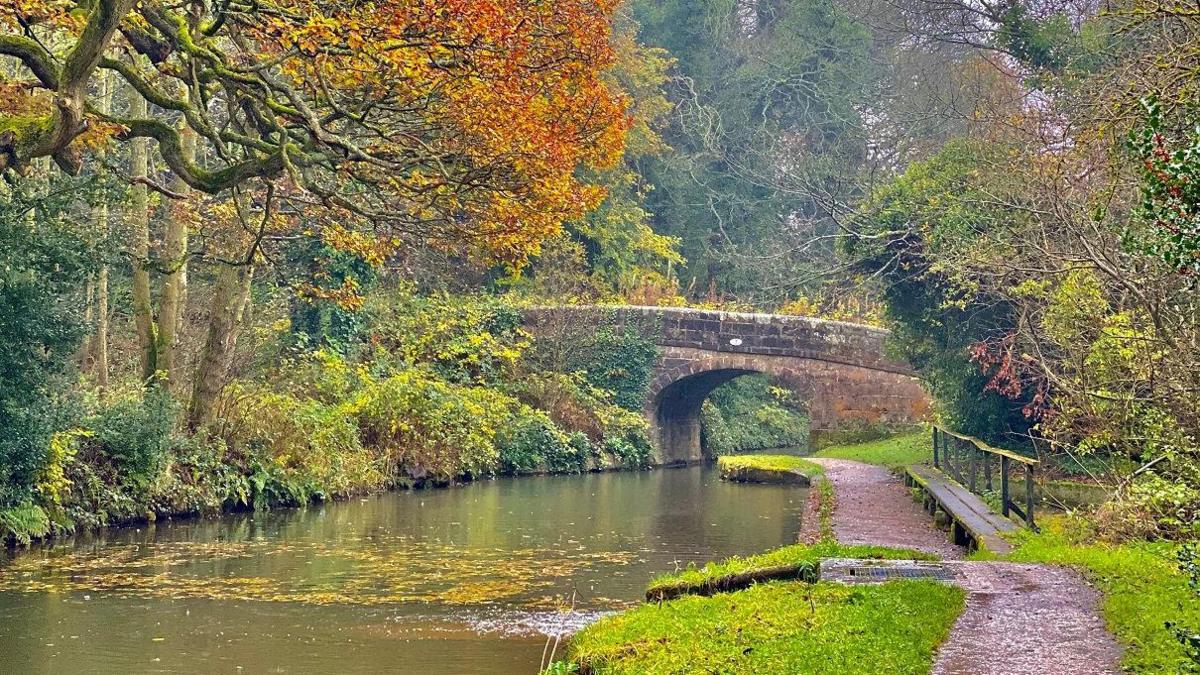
{"x": 1027, "y": 619}
{"x": 1019, "y": 619}
{"x": 874, "y": 507}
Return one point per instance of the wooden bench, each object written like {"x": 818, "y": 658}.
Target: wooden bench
{"x": 973, "y": 522}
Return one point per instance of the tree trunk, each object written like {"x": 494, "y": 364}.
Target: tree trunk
{"x": 174, "y": 292}
{"x": 100, "y": 338}
{"x": 99, "y": 346}
{"x": 230, "y": 296}
{"x": 139, "y": 250}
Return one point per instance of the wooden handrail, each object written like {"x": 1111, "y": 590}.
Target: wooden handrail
{"x": 950, "y": 459}
{"x": 1016, "y": 457}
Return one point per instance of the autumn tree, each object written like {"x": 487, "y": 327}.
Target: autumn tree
{"x": 458, "y": 121}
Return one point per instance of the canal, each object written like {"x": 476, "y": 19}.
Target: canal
{"x": 471, "y": 579}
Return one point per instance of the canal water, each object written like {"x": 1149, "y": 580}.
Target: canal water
{"x": 472, "y": 579}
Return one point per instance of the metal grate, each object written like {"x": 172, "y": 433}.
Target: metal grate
{"x": 883, "y": 573}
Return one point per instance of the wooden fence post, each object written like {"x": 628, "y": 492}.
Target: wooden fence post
{"x": 1029, "y": 496}
{"x": 935, "y": 448}
{"x": 1004, "y": 486}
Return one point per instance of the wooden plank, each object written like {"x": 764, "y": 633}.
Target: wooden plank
{"x": 943, "y": 488}
{"x": 968, "y": 510}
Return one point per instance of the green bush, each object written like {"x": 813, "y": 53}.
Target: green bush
{"x": 430, "y": 429}
{"x": 137, "y": 435}
{"x": 462, "y": 339}
{"x": 27, "y": 428}
{"x": 631, "y": 451}
{"x": 531, "y": 442}
{"x": 291, "y": 449}
{"x": 1153, "y": 507}
{"x": 205, "y": 477}
{"x": 44, "y": 257}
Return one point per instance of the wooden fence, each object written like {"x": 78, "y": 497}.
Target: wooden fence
{"x": 969, "y": 460}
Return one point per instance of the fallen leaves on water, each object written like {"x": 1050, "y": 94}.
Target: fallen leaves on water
{"x": 374, "y": 573}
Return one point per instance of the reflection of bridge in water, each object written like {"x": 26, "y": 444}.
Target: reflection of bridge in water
{"x": 839, "y": 369}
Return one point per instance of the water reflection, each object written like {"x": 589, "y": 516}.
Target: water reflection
{"x": 464, "y": 580}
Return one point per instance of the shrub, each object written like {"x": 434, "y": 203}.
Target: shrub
{"x": 292, "y": 449}
{"x": 429, "y": 429}
{"x": 44, "y": 255}
{"x": 464, "y": 340}
{"x": 570, "y": 401}
{"x": 204, "y": 477}
{"x": 631, "y": 451}
{"x": 136, "y": 435}
{"x": 716, "y": 438}
{"x": 531, "y": 442}
{"x": 1153, "y": 507}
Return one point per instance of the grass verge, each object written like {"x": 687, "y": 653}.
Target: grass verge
{"x": 777, "y": 628}
{"x": 770, "y": 463}
{"x": 1143, "y": 589}
{"x": 895, "y": 453}
{"x": 798, "y": 561}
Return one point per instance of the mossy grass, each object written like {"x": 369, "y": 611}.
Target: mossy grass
{"x": 1142, "y": 585}
{"x": 777, "y": 627}
{"x": 895, "y": 453}
{"x": 770, "y": 463}
{"x": 788, "y": 469}
{"x": 798, "y": 561}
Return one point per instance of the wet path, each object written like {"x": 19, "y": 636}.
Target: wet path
{"x": 874, "y": 507}
{"x": 1027, "y": 619}
{"x": 1019, "y": 618}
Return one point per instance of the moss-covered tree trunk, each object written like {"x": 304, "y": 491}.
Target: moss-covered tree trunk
{"x": 230, "y": 297}
{"x": 138, "y": 217}
{"x": 174, "y": 291}
{"x": 99, "y": 342}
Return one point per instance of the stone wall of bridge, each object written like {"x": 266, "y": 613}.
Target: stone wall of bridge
{"x": 841, "y": 370}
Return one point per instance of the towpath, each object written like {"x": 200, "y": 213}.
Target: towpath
{"x": 1020, "y": 618}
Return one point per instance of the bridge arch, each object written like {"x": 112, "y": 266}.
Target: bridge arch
{"x": 675, "y": 397}
{"x": 840, "y": 370}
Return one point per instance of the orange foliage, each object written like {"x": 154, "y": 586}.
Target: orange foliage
{"x": 465, "y": 121}
{"x": 513, "y": 85}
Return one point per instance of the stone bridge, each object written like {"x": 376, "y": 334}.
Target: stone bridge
{"x": 839, "y": 369}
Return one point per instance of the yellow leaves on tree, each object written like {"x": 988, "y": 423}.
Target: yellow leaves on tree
{"x": 495, "y": 104}
{"x": 464, "y": 122}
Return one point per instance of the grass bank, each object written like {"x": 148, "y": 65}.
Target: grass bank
{"x": 895, "y": 453}
{"x": 799, "y": 561}
{"x": 779, "y": 627}
{"x": 768, "y": 469}
{"x": 768, "y": 613}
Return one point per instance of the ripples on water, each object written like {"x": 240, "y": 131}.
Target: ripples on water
{"x": 464, "y": 580}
